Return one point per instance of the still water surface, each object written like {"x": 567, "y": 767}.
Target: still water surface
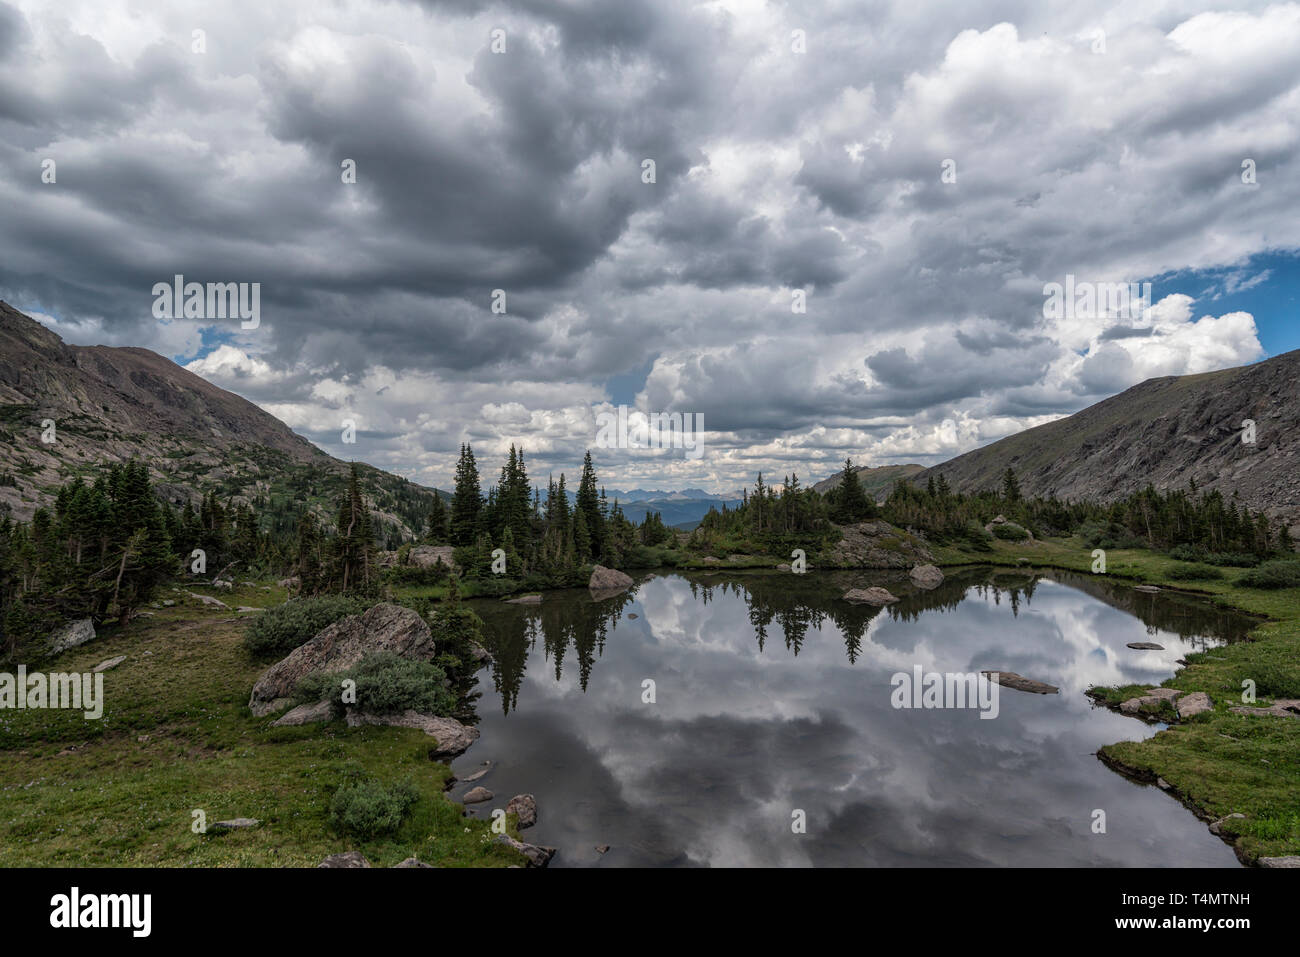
{"x": 773, "y": 695}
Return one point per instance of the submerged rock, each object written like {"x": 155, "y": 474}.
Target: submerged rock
{"x": 340, "y": 646}
{"x": 1009, "y": 679}
{"x": 1149, "y": 589}
{"x": 525, "y": 600}
{"x": 869, "y": 596}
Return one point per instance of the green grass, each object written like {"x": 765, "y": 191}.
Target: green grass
{"x": 1220, "y": 763}
{"x": 176, "y": 736}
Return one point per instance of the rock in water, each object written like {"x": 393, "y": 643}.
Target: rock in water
{"x": 926, "y": 576}
{"x": 1145, "y": 646}
{"x": 608, "y": 580}
{"x": 537, "y": 856}
{"x": 70, "y": 636}
{"x": 346, "y": 859}
{"x": 525, "y": 600}
{"x": 524, "y": 805}
{"x": 340, "y": 646}
{"x": 453, "y": 737}
{"x": 1009, "y": 679}
{"x": 477, "y": 795}
{"x": 1148, "y": 589}
{"x": 869, "y": 596}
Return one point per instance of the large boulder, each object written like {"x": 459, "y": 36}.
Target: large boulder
{"x": 926, "y": 576}
{"x": 339, "y": 647}
{"x": 427, "y": 556}
{"x": 1193, "y": 704}
{"x": 346, "y": 859}
{"x": 453, "y": 737}
{"x": 608, "y": 580}
{"x": 878, "y": 545}
{"x": 70, "y": 636}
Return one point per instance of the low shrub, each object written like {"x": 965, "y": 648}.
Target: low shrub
{"x": 279, "y": 630}
{"x": 1232, "y": 559}
{"x": 385, "y": 684}
{"x": 368, "y": 808}
{"x": 1280, "y": 573}
{"x": 1191, "y": 573}
{"x": 1010, "y": 532}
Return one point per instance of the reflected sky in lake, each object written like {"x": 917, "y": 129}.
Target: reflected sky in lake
{"x": 773, "y": 695}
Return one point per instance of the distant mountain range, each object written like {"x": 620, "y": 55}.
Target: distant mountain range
{"x": 1167, "y": 432}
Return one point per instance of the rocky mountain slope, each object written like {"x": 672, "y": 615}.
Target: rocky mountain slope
{"x": 1167, "y": 431}
{"x": 876, "y": 482}
{"x": 110, "y": 404}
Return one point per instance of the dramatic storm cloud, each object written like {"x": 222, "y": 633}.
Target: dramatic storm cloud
{"x": 915, "y": 175}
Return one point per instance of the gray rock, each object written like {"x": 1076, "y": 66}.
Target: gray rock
{"x": 608, "y": 580}
{"x": 292, "y": 582}
{"x": 346, "y": 859}
{"x": 428, "y": 556}
{"x": 525, "y": 600}
{"x": 524, "y": 805}
{"x": 869, "y": 596}
{"x": 1215, "y": 827}
{"x": 1009, "y": 679}
{"x": 208, "y": 600}
{"x": 305, "y": 714}
{"x": 222, "y": 585}
{"x": 1290, "y": 861}
{"x": 109, "y": 663}
{"x": 926, "y": 576}
{"x": 477, "y": 796}
{"x": 537, "y": 856}
{"x": 70, "y": 636}
{"x": 602, "y": 848}
{"x": 168, "y": 603}
{"x": 340, "y": 646}
{"x": 453, "y": 737}
{"x": 1145, "y": 646}
{"x": 481, "y": 772}
{"x": 1280, "y": 708}
{"x": 235, "y": 824}
{"x": 1149, "y": 589}
{"x": 878, "y": 545}
{"x": 413, "y": 862}
{"x": 1193, "y": 704}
